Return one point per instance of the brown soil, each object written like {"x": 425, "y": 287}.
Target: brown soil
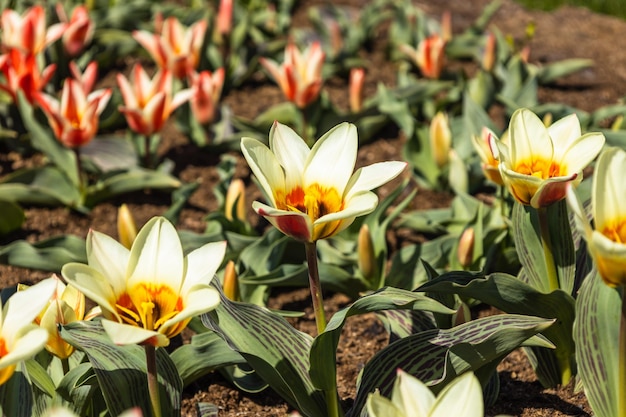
{"x": 565, "y": 33}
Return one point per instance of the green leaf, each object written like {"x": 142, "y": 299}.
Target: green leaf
{"x": 437, "y": 356}
{"x": 16, "y": 397}
{"x": 12, "y": 217}
{"x": 47, "y": 255}
{"x": 38, "y": 375}
{"x": 45, "y": 185}
{"x": 275, "y": 350}
{"x": 324, "y": 349}
{"x": 121, "y": 370}
{"x": 553, "y": 71}
{"x": 596, "y": 332}
{"x": 511, "y": 295}
{"x": 79, "y": 387}
{"x": 205, "y": 353}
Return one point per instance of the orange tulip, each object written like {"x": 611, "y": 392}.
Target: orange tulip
{"x": 79, "y": 31}
{"x": 174, "y": 47}
{"x": 206, "y": 88}
{"x": 300, "y": 75}
{"x": 148, "y": 103}
{"x": 21, "y": 73}
{"x": 429, "y": 56}
{"x": 28, "y": 33}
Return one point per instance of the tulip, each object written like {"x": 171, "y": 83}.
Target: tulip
{"x": 366, "y": 254}
{"x": 174, "y": 47}
{"x": 300, "y": 75}
{"x": 235, "y": 201}
{"x": 149, "y": 293}
{"x": 224, "y": 21}
{"x": 79, "y": 31}
{"x": 489, "y": 163}
{"x": 65, "y": 306}
{"x": 541, "y": 163}
{"x": 21, "y": 73}
{"x": 607, "y": 242}
{"x": 412, "y": 398}
{"x": 86, "y": 78}
{"x": 148, "y": 103}
{"x": 206, "y": 90}
{"x": 28, "y": 33}
{"x": 429, "y": 56}
{"x": 231, "y": 282}
{"x": 312, "y": 193}
{"x": 126, "y": 226}
{"x": 357, "y": 79}
{"x": 465, "y": 250}
{"x": 440, "y": 139}
{"x": 20, "y": 339}
{"x": 74, "y": 120}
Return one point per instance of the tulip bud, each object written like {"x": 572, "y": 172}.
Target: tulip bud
{"x": 465, "y": 250}
{"x": 225, "y": 17}
{"x": 440, "y": 139}
{"x": 366, "y": 254}
{"x": 235, "y": 202}
{"x": 547, "y": 119}
{"x": 357, "y": 78}
{"x": 489, "y": 53}
{"x": 446, "y": 25}
{"x": 126, "y": 226}
{"x": 231, "y": 283}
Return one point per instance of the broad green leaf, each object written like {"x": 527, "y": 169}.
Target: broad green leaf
{"x": 555, "y": 70}
{"x": 45, "y": 185}
{"x": 127, "y": 181}
{"x": 38, "y": 375}
{"x": 275, "y": 350}
{"x": 596, "y": 332}
{"x": 121, "y": 370}
{"x": 205, "y": 353}
{"x": 401, "y": 323}
{"x": 16, "y": 397}
{"x": 324, "y": 349}
{"x": 47, "y": 255}
{"x": 79, "y": 387}
{"x": 513, "y": 296}
{"x": 437, "y": 356}
{"x": 12, "y": 217}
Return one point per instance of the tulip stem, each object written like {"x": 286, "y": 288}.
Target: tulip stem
{"x": 315, "y": 286}
{"x": 79, "y": 171}
{"x": 622, "y": 357}
{"x": 147, "y": 156}
{"x": 153, "y": 383}
{"x": 546, "y": 242}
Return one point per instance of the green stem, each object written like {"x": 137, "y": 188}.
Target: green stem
{"x": 332, "y": 400}
{"x": 546, "y": 242}
{"x": 622, "y": 357}
{"x": 79, "y": 171}
{"x": 153, "y": 383}
{"x": 147, "y": 156}
{"x": 315, "y": 286}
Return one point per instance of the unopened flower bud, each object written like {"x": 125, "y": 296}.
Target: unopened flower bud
{"x": 126, "y": 226}
{"x": 231, "y": 282}
{"x": 366, "y": 254}
{"x": 465, "y": 251}
{"x": 235, "y": 203}
{"x": 224, "y": 21}
{"x": 357, "y": 78}
{"x": 489, "y": 53}
{"x": 440, "y": 139}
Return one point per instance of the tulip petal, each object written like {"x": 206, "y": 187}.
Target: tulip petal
{"x": 93, "y": 284}
{"x": 291, "y": 152}
{"x": 202, "y": 264}
{"x": 564, "y": 132}
{"x": 609, "y": 188}
{"x": 359, "y": 204}
{"x": 554, "y": 189}
{"x": 529, "y": 137}
{"x": 332, "y": 158}
{"x": 295, "y": 224}
{"x": 412, "y": 395}
{"x": 373, "y": 176}
{"x": 26, "y": 346}
{"x": 156, "y": 255}
{"x": 462, "y": 397}
{"x": 109, "y": 257}
{"x": 610, "y": 259}
{"x": 123, "y": 334}
{"x": 23, "y": 306}
{"x": 264, "y": 166}
{"x": 581, "y": 151}
{"x": 201, "y": 299}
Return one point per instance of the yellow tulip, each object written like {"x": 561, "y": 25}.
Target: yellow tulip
{"x": 440, "y": 139}
{"x": 541, "y": 163}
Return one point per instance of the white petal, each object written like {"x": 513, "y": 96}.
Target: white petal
{"x": 124, "y": 334}
{"x": 93, "y": 284}
{"x": 157, "y": 255}
{"x": 359, "y": 204}
{"x": 200, "y": 300}
{"x": 462, "y": 397}
{"x": 581, "y": 152}
{"x": 110, "y": 257}
{"x": 564, "y": 132}
{"x": 291, "y": 152}
{"x": 412, "y": 395}
{"x": 529, "y": 137}
{"x": 608, "y": 194}
{"x": 23, "y": 306}
{"x": 202, "y": 264}
{"x": 373, "y": 176}
{"x": 582, "y": 223}
{"x": 26, "y": 346}
{"x": 264, "y": 166}
{"x": 379, "y": 406}
{"x": 332, "y": 158}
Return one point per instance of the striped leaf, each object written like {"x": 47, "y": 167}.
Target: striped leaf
{"x": 511, "y": 295}
{"x": 121, "y": 370}
{"x": 16, "y": 396}
{"x": 437, "y": 356}
{"x": 324, "y": 349}
{"x": 596, "y": 332}
{"x": 277, "y": 352}
{"x": 79, "y": 387}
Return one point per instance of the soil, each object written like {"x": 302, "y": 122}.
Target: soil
{"x": 565, "y": 33}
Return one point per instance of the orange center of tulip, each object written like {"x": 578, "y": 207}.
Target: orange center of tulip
{"x": 315, "y": 200}
{"x": 539, "y": 168}
{"x": 3, "y": 348}
{"x": 149, "y": 305}
{"x": 615, "y": 230}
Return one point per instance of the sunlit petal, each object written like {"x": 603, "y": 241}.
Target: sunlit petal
{"x": 93, "y": 284}
{"x": 123, "y": 334}
{"x": 529, "y": 137}
{"x": 295, "y": 224}
{"x": 107, "y": 255}
{"x": 462, "y": 397}
{"x": 290, "y": 150}
{"x": 264, "y": 166}
{"x": 202, "y": 264}
{"x": 609, "y": 187}
{"x": 23, "y": 306}
{"x": 31, "y": 341}
{"x": 412, "y": 395}
{"x": 201, "y": 300}
{"x": 373, "y": 176}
